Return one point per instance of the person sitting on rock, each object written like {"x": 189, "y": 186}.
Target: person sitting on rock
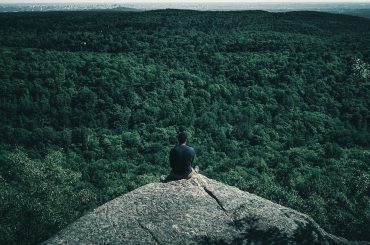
{"x": 181, "y": 161}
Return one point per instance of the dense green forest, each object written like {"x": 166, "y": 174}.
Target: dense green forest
{"x": 277, "y": 104}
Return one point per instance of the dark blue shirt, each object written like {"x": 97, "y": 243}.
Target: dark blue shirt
{"x": 181, "y": 159}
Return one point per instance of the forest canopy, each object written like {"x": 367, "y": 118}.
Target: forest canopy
{"x": 277, "y": 104}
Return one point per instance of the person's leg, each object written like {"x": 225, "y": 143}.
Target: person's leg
{"x": 192, "y": 174}
{"x": 174, "y": 177}
{"x": 170, "y": 177}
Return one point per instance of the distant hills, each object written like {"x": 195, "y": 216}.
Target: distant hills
{"x": 357, "y": 12}
{"x": 61, "y": 7}
{"x": 362, "y": 10}
{"x": 356, "y": 9}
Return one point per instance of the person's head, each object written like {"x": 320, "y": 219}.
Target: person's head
{"x": 182, "y": 138}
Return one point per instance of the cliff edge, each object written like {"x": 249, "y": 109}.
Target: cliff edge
{"x": 195, "y": 211}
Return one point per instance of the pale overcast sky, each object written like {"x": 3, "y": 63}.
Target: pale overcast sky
{"x": 182, "y": 1}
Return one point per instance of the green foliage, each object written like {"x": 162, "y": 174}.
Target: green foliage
{"x": 39, "y": 196}
{"x": 277, "y": 104}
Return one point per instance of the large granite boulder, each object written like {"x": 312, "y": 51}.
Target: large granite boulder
{"x": 194, "y": 211}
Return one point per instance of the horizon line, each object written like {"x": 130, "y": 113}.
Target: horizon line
{"x": 189, "y": 2}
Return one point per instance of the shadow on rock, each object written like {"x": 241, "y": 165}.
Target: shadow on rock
{"x": 251, "y": 233}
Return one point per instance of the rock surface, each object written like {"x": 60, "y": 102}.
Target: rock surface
{"x": 194, "y": 211}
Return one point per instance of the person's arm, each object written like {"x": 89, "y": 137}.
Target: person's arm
{"x": 172, "y": 158}
{"x": 192, "y": 157}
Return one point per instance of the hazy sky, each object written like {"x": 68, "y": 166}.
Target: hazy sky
{"x": 182, "y": 1}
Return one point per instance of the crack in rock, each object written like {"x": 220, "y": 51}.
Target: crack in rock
{"x": 150, "y": 232}
{"x": 210, "y": 193}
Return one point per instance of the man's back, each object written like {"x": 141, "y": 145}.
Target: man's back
{"x": 181, "y": 159}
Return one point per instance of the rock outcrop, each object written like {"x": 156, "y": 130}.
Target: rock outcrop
{"x": 195, "y": 211}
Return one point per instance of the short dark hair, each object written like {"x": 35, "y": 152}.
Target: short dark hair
{"x": 182, "y": 138}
